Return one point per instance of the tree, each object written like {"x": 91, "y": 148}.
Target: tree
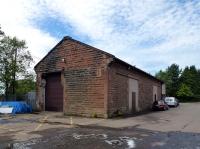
{"x": 14, "y": 61}
{"x": 25, "y": 85}
{"x": 162, "y": 75}
{"x": 1, "y": 32}
{"x": 173, "y": 75}
{"x": 191, "y": 77}
{"x": 184, "y": 91}
{"x": 171, "y": 78}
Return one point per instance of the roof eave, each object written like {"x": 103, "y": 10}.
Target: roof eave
{"x": 137, "y": 69}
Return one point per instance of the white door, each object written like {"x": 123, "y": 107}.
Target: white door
{"x": 155, "y": 93}
{"x": 133, "y": 95}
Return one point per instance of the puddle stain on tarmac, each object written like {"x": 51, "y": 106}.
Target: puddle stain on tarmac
{"x": 24, "y": 145}
{"x": 78, "y": 136}
{"x": 129, "y": 141}
{"x": 120, "y": 141}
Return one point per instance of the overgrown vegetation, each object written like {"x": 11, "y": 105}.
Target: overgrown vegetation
{"x": 183, "y": 84}
{"x": 24, "y": 86}
{"x": 15, "y": 59}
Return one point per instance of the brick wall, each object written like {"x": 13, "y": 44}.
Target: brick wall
{"x": 118, "y": 88}
{"x": 91, "y": 87}
{"x": 84, "y": 71}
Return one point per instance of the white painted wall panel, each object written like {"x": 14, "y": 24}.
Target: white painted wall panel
{"x": 133, "y": 87}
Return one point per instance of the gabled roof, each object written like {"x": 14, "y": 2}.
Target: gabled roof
{"x": 103, "y": 52}
{"x": 70, "y": 38}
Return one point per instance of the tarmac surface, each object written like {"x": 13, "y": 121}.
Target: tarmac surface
{"x": 178, "y": 128}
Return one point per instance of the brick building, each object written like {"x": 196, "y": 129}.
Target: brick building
{"x": 79, "y": 79}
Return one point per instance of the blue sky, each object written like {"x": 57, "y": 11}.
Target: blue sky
{"x": 151, "y": 34}
{"x": 58, "y": 29}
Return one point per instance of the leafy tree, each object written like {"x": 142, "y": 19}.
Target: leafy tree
{"x": 162, "y": 75}
{"x": 185, "y": 84}
{"x": 184, "y": 91}
{"x": 25, "y": 85}
{"x": 171, "y": 78}
{"x": 173, "y": 75}
{"x": 14, "y": 61}
{"x": 191, "y": 77}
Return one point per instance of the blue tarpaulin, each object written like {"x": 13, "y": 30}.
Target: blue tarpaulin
{"x": 18, "y": 106}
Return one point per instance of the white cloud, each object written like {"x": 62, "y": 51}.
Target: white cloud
{"x": 16, "y": 20}
{"x": 121, "y": 27}
{"x": 148, "y": 33}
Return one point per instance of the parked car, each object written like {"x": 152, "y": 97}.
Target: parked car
{"x": 160, "y": 105}
{"x": 171, "y": 101}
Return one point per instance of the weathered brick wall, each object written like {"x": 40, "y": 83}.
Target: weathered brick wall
{"x": 118, "y": 89}
{"x": 39, "y": 92}
{"x": 117, "y": 92}
{"x": 84, "y": 77}
{"x": 53, "y": 62}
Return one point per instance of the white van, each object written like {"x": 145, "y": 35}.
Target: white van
{"x": 171, "y": 101}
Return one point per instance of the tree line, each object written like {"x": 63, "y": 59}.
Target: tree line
{"x": 181, "y": 83}
{"x": 15, "y": 59}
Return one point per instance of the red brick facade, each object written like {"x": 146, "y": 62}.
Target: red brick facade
{"x": 94, "y": 84}
{"x": 118, "y": 88}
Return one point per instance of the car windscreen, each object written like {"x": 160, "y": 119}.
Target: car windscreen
{"x": 169, "y": 99}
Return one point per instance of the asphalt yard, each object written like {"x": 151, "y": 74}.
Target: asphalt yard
{"x": 177, "y": 128}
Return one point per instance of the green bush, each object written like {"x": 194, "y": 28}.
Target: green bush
{"x": 184, "y": 91}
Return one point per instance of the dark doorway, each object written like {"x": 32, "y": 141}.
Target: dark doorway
{"x": 133, "y": 102}
{"x": 53, "y": 92}
{"x": 155, "y": 97}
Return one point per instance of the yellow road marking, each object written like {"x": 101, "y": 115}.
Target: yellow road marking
{"x": 40, "y": 125}
{"x": 5, "y": 128}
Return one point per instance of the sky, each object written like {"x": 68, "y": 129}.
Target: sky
{"x": 150, "y": 34}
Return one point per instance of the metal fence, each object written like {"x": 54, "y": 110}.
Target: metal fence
{"x": 31, "y": 100}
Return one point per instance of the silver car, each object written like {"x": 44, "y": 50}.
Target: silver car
{"x": 171, "y": 101}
